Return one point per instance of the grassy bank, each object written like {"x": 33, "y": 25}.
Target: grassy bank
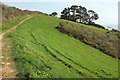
{"x": 40, "y": 50}
{"x": 102, "y": 39}
{"x": 12, "y": 22}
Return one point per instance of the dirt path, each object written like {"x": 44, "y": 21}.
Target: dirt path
{"x": 6, "y": 67}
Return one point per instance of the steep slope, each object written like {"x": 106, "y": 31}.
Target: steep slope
{"x": 102, "y": 39}
{"x": 40, "y": 50}
{"x": 12, "y": 16}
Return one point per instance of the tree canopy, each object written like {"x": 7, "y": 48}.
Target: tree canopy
{"x": 79, "y": 14}
{"x": 54, "y": 14}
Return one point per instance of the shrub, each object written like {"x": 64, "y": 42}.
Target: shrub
{"x": 97, "y": 38}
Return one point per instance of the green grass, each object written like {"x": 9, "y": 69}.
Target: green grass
{"x": 102, "y": 39}
{"x": 40, "y": 50}
{"x": 12, "y": 23}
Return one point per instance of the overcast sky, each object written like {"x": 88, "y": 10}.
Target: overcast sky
{"x": 106, "y": 9}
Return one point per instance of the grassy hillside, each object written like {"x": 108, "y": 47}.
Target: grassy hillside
{"x": 13, "y": 22}
{"x": 102, "y": 39}
{"x": 9, "y": 13}
{"x": 40, "y": 50}
{"x": 12, "y": 15}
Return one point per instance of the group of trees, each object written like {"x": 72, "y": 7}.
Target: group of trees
{"x": 54, "y": 14}
{"x": 79, "y": 14}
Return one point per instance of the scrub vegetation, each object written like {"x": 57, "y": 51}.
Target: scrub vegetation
{"x": 102, "y": 39}
{"x": 40, "y": 50}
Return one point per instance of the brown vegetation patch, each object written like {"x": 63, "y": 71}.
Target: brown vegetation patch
{"x": 102, "y": 39}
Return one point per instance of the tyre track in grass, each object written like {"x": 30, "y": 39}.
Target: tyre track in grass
{"x": 5, "y": 67}
{"x": 93, "y": 72}
{"x": 69, "y": 66}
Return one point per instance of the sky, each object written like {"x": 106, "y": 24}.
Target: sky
{"x": 106, "y": 9}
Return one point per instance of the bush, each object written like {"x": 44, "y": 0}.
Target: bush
{"x": 97, "y": 38}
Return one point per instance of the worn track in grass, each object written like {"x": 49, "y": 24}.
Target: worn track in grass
{"x": 6, "y": 69}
